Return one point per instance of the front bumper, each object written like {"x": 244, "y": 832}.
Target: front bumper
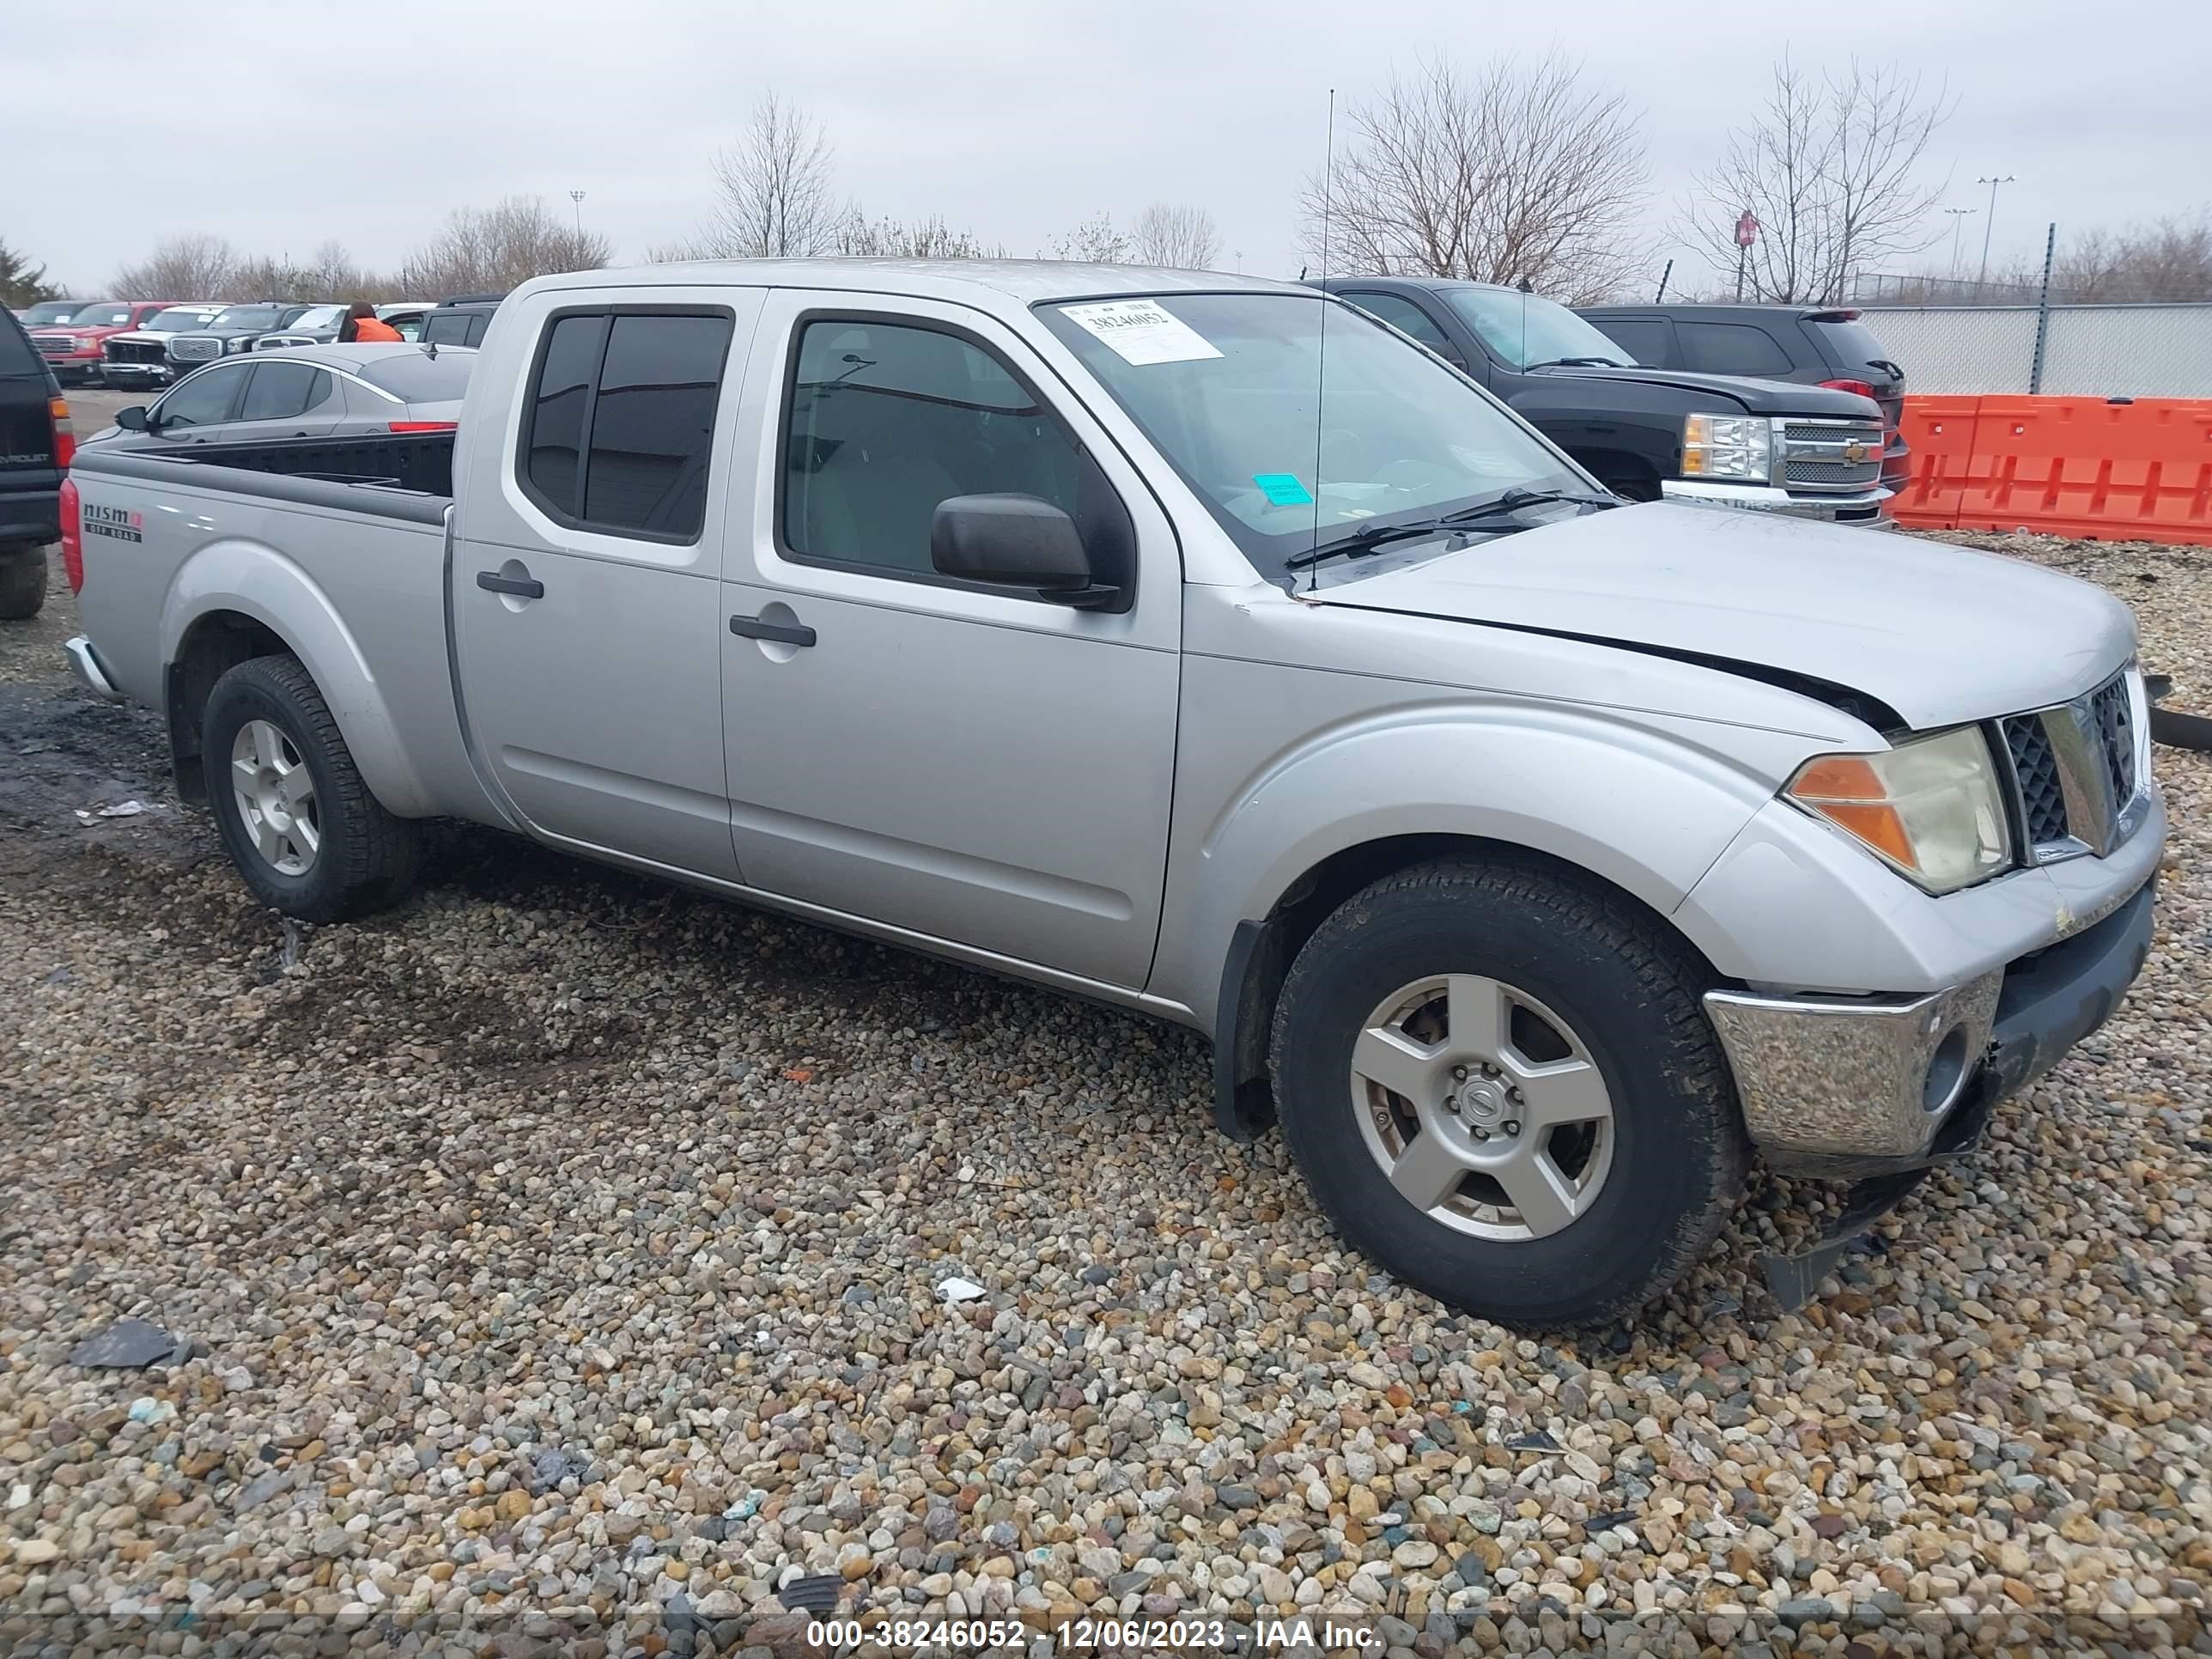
{"x": 1861, "y": 507}
{"x": 1848, "y": 1089}
{"x": 132, "y": 373}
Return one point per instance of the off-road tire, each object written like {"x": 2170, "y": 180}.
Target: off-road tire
{"x": 368, "y": 860}
{"x": 1634, "y": 995}
{"x": 23, "y": 583}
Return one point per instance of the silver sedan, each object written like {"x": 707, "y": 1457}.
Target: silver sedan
{"x": 305, "y": 392}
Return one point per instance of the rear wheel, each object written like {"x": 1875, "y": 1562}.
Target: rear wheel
{"x": 1501, "y": 1085}
{"x": 293, "y": 813}
{"x": 23, "y": 583}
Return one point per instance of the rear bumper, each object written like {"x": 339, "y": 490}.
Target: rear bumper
{"x": 1852, "y": 1088}
{"x": 1864, "y": 508}
{"x": 32, "y": 516}
{"x": 85, "y": 664}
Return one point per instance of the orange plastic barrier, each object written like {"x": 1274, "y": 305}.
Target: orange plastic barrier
{"x": 2068, "y": 467}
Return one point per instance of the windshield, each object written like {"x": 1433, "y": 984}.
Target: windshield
{"x": 248, "y": 317}
{"x": 1225, "y": 385}
{"x": 1523, "y": 329}
{"x": 177, "y": 320}
{"x": 318, "y": 317}
{"x": 101, "y": 313}
{"x": 47, "y": 312}
{"x": 420, "y": 378}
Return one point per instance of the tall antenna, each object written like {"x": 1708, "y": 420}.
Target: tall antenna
{"x": 1321, "y": 348}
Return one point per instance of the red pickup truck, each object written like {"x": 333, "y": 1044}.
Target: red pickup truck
{"x": 74, "y": 349}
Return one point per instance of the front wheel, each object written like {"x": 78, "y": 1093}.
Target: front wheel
{"x": 1501, "y": 1085}
{"x": 292, "y": 810}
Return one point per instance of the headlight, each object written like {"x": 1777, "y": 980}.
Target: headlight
{"x": 1930, "y": 808}
{"x": 239, "y": 342}
{"x": 1728, "y": 446}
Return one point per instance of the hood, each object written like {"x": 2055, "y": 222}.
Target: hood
{"x": 1755, "y": 396}
{"x": 1941, "y": 634}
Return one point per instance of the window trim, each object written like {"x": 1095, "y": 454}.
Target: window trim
{"x": 788, "y": 385}
{"x": 571, "y": 518}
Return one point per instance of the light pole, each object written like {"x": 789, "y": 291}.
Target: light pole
{"x": 1958, "y": 216}
{"x": 1990, "y": 223}
{"x": 577, "y": 197}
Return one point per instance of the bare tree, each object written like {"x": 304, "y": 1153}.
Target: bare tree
{"x": 192, "y": 267}
{"x": 1093, "y": 242}
{"x": 490, "y": 250}
{"x": 772, "y": 191}
{"x": 1171, "y": 235}
{"x": 1519, "y": 171}
{"x": 916, "y": 239}
{"x": 1832, "y": 169}
{"x": 2170, "y": 260}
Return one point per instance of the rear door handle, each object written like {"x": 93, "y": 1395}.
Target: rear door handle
{"x": 523, "y": 587}
{"x": 753, "y": 628}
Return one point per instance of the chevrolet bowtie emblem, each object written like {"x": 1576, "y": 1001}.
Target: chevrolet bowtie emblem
{"x": 1855, "y": 452}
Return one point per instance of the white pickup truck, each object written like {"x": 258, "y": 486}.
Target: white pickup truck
{"x": 1530, "y": 857}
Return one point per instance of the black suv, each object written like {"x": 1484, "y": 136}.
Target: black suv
{"x": 1806, "y": 450}
{"x": 459, "y": 321}
{"x": 35, "y": 451}
{"x": 1813, "y": 345}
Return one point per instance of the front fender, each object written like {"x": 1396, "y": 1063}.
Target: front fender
{"x": 257, "y": 580}
{"x": 1641, "y": 801}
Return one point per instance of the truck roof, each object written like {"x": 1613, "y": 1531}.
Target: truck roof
{"x": 1024, "y": 281}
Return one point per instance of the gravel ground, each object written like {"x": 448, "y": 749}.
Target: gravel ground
{"x": 562, "y": 1251}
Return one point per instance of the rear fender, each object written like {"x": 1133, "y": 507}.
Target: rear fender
{"x": 253, "y": 580}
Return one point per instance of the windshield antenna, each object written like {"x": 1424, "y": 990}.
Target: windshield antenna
{"x": 1321, "y": 348}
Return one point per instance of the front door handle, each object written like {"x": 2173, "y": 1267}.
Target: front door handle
{"x": 754, "y": 628}
{"x": 523, "y": 587}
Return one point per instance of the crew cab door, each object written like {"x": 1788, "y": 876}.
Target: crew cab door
{"x": 966, "y": 763}
{"x": 587, "y": 615}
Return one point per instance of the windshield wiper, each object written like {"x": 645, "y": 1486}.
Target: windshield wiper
{"x": 1576, "y": 362}
{"x": 1360, "y": 543}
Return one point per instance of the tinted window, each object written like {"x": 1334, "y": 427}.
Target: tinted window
{"x": 885, "y": 421}
{"x": 1408, "y": 319}
{"x": 478, "y": 322}
{"x": 1647, "y": 339}
{"x": 1852, "y": 348}
{"x": 1730, "y": 349}
{"x": 633, "y": 394}
{"x": 653, "y": 423}
{"x": 445, "y": 328}
{"x": 556, "y": 415}
{"x": 280, "y": 391}
{"x": 418, "y": 377}
{"x": 17, "y": 356}
{"x": 202, "y": 400}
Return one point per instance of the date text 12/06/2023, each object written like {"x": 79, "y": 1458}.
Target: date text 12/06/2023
{"x": 1080, "y": 1635}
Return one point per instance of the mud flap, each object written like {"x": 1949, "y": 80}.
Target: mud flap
{"x": 1791, "y": 1279}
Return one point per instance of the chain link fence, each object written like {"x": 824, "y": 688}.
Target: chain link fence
{"x": 2066, "y": 350}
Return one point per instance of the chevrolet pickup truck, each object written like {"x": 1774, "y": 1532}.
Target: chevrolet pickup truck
{"x": 1530, "y": 856}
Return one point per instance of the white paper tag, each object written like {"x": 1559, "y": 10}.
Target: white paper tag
{"x": 1140, "y": 331}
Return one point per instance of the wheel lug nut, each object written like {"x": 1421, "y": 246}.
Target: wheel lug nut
{"x": 1488, "y": 1070}
{"x": 1511, "y": 1126}
{"x": 1459, "y": 1073}
{"x": 1481, "y": 1134}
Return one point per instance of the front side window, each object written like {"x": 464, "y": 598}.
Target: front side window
{"x": 1228, "y": 387}
{"x": 1649, "y": 340}
{"x": 1730, "y": 349}
{"x": 278, "y": 392}
{"x": 1525, "y": 331}
{"x": 885, "y": 420}
{"x": 1408, "y": 319}
{"x": 622, "y": 420}
{"x": 202, "y": 400}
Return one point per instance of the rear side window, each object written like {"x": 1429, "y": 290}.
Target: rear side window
{"x": 1649, "y": 340}
{"x": 445, "y": 328}
{"x": 280, "y": 391}
{"x": 1852, "y": 348}
{"x": 478, "y": 322}
{"x": 1730, "y": 349}
{"x": 17, "y": 354}
{"x": 622, "y": 421}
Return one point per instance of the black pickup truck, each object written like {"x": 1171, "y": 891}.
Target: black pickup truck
{"x": 1808, "y": 451}
{"x": 35, "y": 443}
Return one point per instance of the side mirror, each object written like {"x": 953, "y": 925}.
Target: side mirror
{"x": 134, "y": 419}
{"x": 1015, "y": 541}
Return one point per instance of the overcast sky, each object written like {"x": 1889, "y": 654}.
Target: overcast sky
{"x": 279, "y": 125}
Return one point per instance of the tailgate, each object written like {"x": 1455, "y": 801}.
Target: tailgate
{"x": 27, "y": 432}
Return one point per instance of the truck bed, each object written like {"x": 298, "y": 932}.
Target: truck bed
{"x": 413, "y": 463}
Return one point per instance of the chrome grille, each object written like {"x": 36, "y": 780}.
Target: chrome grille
{"x": 190, "y": 350}
{"x": 53, "y": 347}
{"x": 1816, "y": 454}
{"x": 2076, "y": 775}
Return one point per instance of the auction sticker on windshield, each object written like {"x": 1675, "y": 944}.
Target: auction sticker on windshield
{"x": 1140, "y": 331}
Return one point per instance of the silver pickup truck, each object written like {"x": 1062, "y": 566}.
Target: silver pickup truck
{"x": 1201, "y": 645}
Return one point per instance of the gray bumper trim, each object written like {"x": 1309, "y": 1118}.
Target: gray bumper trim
{"x": 86, "y": 666}
{"x": 1861, "y": 507}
